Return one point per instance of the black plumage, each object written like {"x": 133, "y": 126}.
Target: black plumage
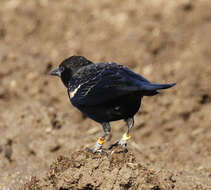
{"x": 105, "y": 91}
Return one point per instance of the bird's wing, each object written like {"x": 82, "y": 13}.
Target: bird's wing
{"x": 106, "y": 81}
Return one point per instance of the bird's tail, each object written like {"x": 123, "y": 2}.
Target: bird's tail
{"x": 151, "y": 86}
{"x": 150, "y": 89}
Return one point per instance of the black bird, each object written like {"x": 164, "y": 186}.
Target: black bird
{"x": 105, "y": 92}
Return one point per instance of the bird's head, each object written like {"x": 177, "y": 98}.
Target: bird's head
{"x": 69, "y": 67}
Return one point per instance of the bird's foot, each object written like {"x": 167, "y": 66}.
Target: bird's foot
{"x": 122, "y": 142}
{"x": 98, "y": 148}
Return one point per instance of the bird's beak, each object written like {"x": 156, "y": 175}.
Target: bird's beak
{"x": 56, "y": 72}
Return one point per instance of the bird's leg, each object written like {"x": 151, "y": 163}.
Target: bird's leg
{"x": 126, "y": 136}
{"x": 101, "y": 140}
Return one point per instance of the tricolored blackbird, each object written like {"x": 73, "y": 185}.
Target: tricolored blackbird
{"x": 105, "y": 92}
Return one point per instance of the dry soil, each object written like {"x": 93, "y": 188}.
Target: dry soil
{"x": 43, "y": 138}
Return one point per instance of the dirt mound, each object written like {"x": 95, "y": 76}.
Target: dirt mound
{"x": 117, "y": 170}
{"x": 94, "y": 171}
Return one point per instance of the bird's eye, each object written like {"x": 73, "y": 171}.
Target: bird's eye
{"x": 61, "y": 69}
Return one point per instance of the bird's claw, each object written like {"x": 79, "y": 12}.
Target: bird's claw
{"x": 98, "y": 148}
{"x": 113, "y": 145}
{"x": 95, "y": 151}
{"x": 116, "y": 144}
{"x": 122, "y": 142}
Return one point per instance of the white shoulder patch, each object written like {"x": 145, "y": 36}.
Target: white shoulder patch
{"x": 72, "y": 94}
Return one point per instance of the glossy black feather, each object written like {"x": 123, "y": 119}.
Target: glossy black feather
{"x": 102, "y": 82}
{"x": 105, "y": 91}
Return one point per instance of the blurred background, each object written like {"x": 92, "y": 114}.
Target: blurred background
{"x": 165, "y": 41}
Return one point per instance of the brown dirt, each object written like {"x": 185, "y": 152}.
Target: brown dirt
{"x": 166, "y": 41}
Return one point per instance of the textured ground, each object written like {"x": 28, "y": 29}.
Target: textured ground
{"x": 43, "y": 138}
